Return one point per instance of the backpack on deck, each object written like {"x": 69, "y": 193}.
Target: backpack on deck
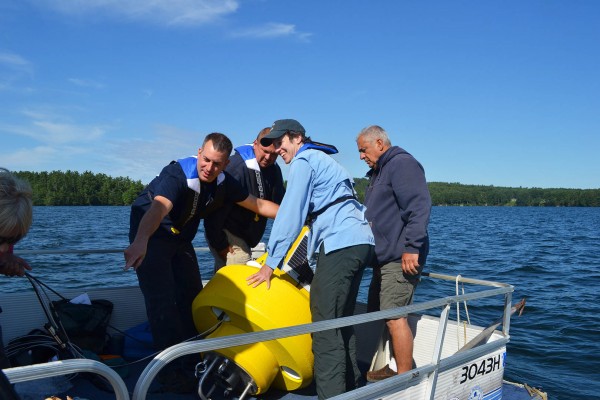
{"x": 85, "y": 324}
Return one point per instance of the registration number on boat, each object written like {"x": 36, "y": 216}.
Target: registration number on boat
{"x": 486, "y": 366}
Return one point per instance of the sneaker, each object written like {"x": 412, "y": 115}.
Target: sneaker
{"x": 380, "y": 374}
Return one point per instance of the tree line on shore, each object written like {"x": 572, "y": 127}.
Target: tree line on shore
{"x": 457, "y": 194}
{"x": 72, "y": 188}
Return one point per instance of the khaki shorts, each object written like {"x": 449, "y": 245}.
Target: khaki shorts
{"x": 396, "y": 289}
{"x": 242, "y": 253}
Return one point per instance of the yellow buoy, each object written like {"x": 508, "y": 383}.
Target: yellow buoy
{"x": 285, "y": 363}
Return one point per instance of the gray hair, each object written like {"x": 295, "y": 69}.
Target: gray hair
{"x": 374, "y": 132}
{"x": 16, "y": 205}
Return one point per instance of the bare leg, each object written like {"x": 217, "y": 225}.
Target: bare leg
{"x": 402, "y": 341}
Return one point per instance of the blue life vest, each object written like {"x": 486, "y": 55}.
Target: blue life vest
{"x": 189, "y": 166}
{"x": 325, "y": 148}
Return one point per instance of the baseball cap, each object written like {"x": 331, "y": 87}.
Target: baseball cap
{"x": 280, "y": 128}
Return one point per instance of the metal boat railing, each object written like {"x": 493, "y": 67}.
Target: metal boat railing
{"x": 68, "y": 367}
{"x": 85, "y": 251}
{"x": 385, "y": 387}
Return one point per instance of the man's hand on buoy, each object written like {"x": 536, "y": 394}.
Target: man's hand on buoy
{"x": 263, "y": 275}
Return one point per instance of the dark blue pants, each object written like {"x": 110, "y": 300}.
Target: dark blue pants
{"x": 170, "y": 280}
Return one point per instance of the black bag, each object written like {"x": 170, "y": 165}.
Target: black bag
{"x": 34, "y": 348}
{"x": 85, "y": 324}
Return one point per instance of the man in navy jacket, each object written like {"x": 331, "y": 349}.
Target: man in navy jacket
{"x": 164, "y": 220}
{"x": 398, "y": 207}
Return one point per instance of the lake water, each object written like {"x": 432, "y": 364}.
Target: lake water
{"x": 550, "y": 255}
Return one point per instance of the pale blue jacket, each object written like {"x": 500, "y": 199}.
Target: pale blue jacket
{"x": 316, "y": 180}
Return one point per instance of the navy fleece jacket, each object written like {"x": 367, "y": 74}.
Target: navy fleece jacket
{"x": 398, "y": 206}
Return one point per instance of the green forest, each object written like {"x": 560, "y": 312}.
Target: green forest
{"x": 456, "y": 194}
{"x": 72, "y": 188}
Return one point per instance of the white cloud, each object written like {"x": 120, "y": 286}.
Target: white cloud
{"x": 48, "y": 128}
{"x": 27, "y": 160}
{"x": 51, "y": 142}
{"x": 12, "y": 68}
{"x": 51, "y": 157}
{"x": 162, "y": 12}
{"x": 14, "y": 61}
{"x": 66, "y": 133}
{"x": 86, "y": 83}
{"x": 145, "y": 158}
{"x": 272, "y": 30}
{"x": 48, "y": 140}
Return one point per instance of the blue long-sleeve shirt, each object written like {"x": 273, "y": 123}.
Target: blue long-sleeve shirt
{"x": 316, "y": 180}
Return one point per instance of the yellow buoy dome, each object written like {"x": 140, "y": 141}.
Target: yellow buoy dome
{"x": 285, "y": 363}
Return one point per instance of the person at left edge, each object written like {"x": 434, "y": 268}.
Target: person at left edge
{"x": 164, "y": 221}
{"x": 232, "y": 231}
{"x": 16, "y": 214}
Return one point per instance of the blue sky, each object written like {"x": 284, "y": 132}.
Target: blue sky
{"x": 503, "y": 93}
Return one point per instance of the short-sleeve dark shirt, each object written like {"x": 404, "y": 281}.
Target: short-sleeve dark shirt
{"x": 189, "y": 207}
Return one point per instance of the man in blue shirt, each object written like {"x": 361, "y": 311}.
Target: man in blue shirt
{"x": 164, "y": 221}
{"x": 340, "y": 243}
{"x": 233, "y": 231}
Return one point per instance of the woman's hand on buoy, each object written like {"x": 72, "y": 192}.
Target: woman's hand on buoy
{"x": 263, "y": 275}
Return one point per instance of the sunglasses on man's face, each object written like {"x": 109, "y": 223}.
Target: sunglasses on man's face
{"x": 10, "y": 240}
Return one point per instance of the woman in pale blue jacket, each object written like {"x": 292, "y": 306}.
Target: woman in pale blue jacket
{"x": 340, "y": 244}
